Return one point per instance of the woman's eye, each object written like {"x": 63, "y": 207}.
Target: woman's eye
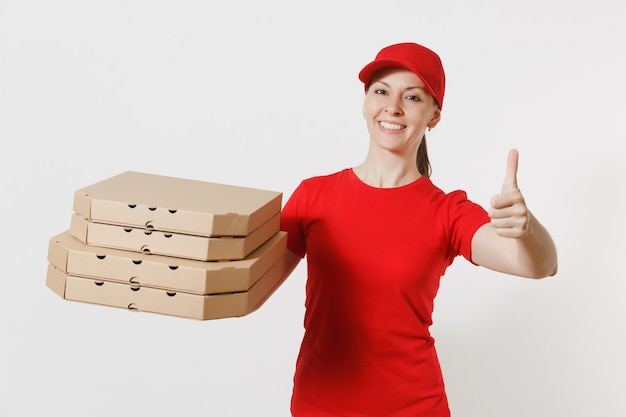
{"x": 414, "y": 98}
{"x": 380, "y": 91}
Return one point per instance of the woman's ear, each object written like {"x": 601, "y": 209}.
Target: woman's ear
{"x": 435, "y": 119}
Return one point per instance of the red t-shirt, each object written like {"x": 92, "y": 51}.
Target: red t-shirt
{"x": 374, "y": 260}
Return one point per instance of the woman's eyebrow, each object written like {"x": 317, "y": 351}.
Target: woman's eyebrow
{"x": 416, "y": 87}
{"x": 406, "y": 89}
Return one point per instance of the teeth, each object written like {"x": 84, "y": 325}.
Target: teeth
{"x": 391, "y": 126}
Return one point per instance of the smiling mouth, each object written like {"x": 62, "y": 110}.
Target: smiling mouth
{"x": 391, "y": 126}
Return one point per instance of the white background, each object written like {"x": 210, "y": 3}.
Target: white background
{"x": 264, "y": 94}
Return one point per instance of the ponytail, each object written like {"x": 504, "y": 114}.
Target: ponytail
{"x": 423, "y": 164}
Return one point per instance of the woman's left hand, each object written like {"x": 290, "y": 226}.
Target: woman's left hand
{"x": 508, "y": 212}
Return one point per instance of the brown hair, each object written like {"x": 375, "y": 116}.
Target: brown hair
{"x": 423, "y": 164}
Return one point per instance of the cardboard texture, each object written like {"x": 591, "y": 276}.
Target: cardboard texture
{"x": 160, "y": 301}
{"x": 73, "y": 257}
{"x": 172, "y": 244}
{"x": 176, "y": 205}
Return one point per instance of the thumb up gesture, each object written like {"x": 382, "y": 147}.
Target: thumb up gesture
{"x": 509, "y": 214}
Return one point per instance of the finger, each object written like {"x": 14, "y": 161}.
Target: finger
{"x": 512, "y": 212}
{"x": 510, "y": 179}
{"x": 510, "y": 227}
{"x": 507, "y": 199}
{"x": 511, "y": 232}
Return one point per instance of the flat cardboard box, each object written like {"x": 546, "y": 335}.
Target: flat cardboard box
{"x": 76, "y": 258}
{"x": 160, "y": 301}
{"x": 176, "y": 205}
{"x": 179, "y": 245}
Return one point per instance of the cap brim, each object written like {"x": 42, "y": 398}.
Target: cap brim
{"x": 368, "y": 72}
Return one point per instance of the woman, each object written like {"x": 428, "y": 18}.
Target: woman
{"x": 378, "y": 237}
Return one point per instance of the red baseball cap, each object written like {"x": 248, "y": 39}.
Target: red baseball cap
{"x": 418, "y": 59}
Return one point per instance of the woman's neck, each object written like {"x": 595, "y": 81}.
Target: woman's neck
{"x": 387, "y": 172}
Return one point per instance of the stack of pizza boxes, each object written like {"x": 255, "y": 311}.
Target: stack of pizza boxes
{"x": 171, "y": 246}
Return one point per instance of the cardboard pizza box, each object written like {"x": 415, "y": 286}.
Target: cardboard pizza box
{"x": 177, "y": 205}
{"x": 76, "y": 258}
{"x": 180, "y": 245}
{"x": 161, "y": 301}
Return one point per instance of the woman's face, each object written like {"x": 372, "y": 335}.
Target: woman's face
{"x": 398, "y": 110}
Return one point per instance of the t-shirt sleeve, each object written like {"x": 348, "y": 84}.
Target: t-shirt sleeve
{"x": 291, "y": 220}
{"x": 465, "y": 217}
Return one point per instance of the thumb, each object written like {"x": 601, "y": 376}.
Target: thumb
{"x": 510, "y": 179}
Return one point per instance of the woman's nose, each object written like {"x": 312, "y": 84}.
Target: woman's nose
{"x": 394, "y": 106}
